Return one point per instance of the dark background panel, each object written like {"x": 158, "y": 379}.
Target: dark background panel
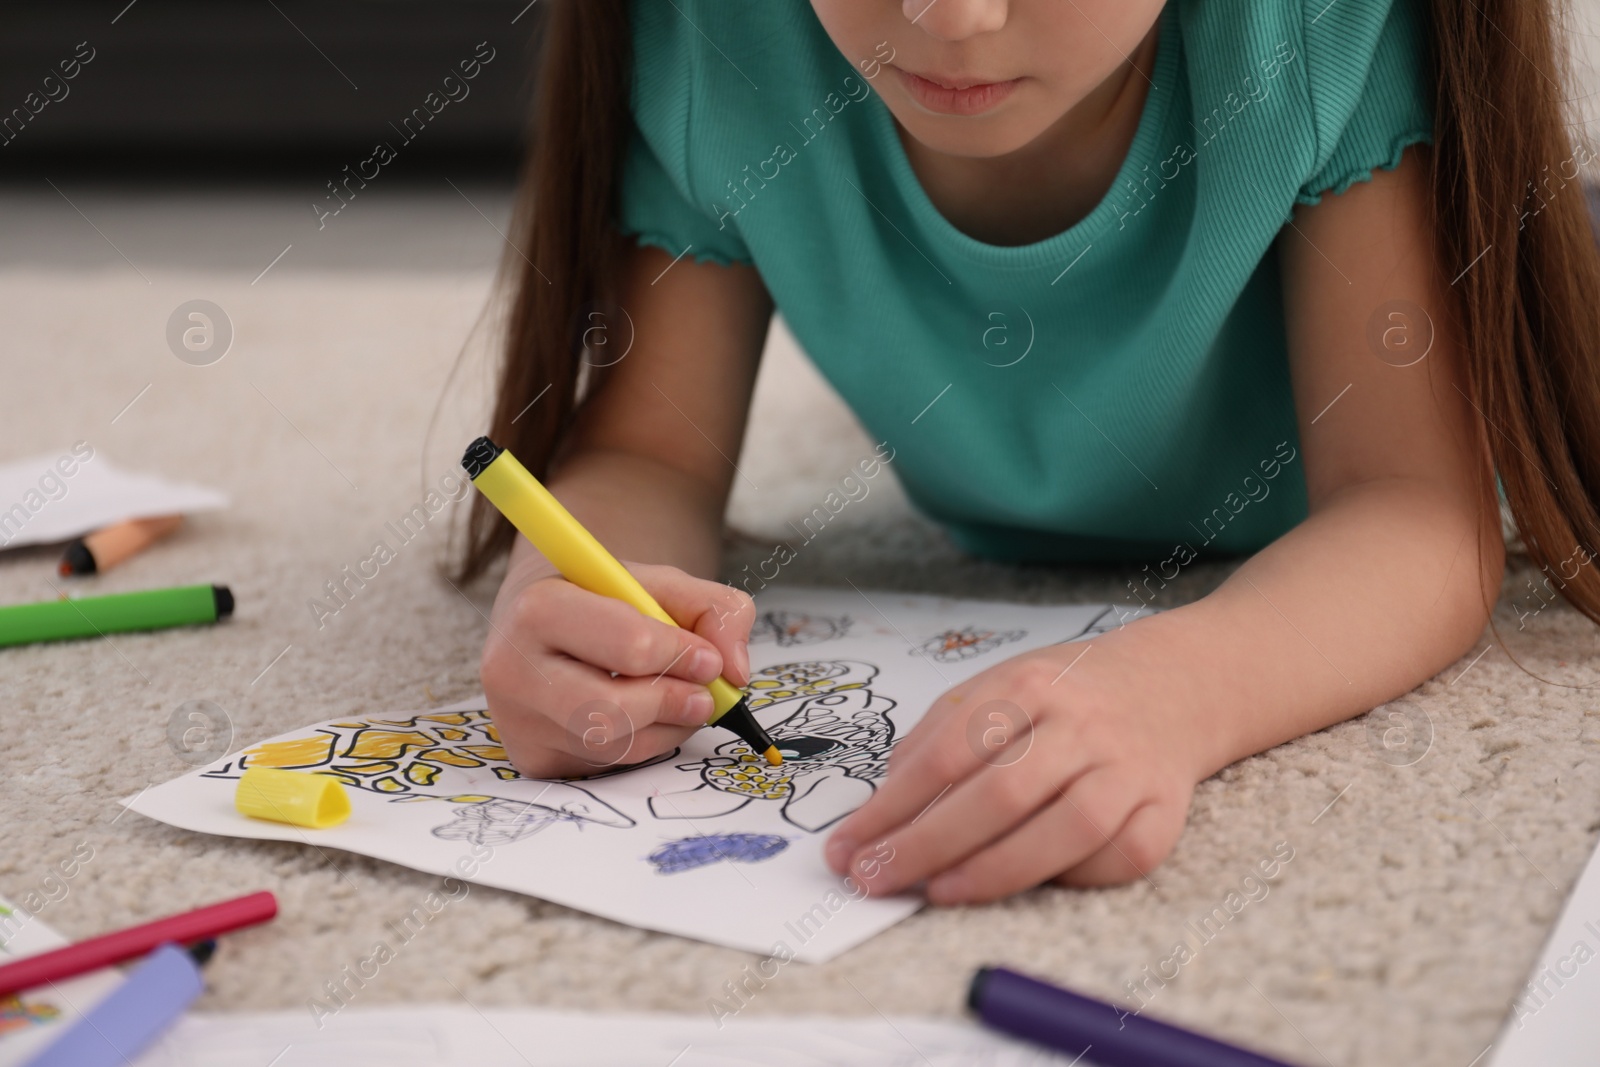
{"x": 187, "y": 86}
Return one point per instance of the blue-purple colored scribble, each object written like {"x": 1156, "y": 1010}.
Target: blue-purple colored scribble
{"x": 702, "y": 850}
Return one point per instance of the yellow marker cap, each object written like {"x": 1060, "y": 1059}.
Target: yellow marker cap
{"x": 313, "y": 800}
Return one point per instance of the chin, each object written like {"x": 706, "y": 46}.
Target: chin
{"x": 982, "y": 137}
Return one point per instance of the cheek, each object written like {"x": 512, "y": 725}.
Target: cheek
{"x": 1074, "y": 48}
{"x": 857, "y": 27}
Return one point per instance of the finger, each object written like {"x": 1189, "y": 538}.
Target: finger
{"x": 948, "y": 754}
{"x": 1146, "y": 839}
{"x": 719, "y": 613}
{"x": 581, "y": 690}
{"x": 1081, "y": 821}
{"x": 667, "y": 700}
{"x": 592, "y": 717}
{"x": 905, "y": 793}
{"x": 613, "y": 636}
{"x": 941, "y": 711}
{"x": 586, "y": 714}
{"x": 985, "y": 807}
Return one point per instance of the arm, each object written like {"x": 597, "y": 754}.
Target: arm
{"x": 1387, "y": 581}
{"x": 647, "y": 470}
{"x": 650, "y": 464}
{"x": 1393, "y": 575}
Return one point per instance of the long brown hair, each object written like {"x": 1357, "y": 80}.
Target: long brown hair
{"x": 562, "y": 256}
{"x": 1508, "y": 217}
{"x": 1512, "y": 219}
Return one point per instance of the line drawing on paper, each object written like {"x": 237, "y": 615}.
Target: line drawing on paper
{"x": 788, "y": 628}
{"x": 702, "y": 850}
{"x": 1107, "y": 621}
{"x": 952, "y": 646}
{"x": 497, "y": 821}
{"x": 449, "y": 756}
{"x": 835, "y": 734}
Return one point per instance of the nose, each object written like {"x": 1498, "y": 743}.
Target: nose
{"x": 954, "y": 20}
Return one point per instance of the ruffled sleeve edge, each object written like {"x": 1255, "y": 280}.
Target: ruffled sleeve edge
{"x": 1338, "y": 185}
{"x": 698, "y": 255}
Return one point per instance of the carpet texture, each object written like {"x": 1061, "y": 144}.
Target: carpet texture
{"x": 1415, "y": 901}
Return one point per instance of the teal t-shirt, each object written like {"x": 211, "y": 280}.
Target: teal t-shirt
{"x": 1110, "y": 392}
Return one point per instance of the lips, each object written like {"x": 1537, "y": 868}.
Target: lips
{"x": 955, "y": 96}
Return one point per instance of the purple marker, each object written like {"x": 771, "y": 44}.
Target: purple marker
{"x": 1105, "y": 1034}
{"x": 131, "y": 1017}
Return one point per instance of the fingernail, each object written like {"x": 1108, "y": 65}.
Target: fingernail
{"x": 703, "y": 666}
{"x": 741, "y": 658}
{"x": 698, "y": 708}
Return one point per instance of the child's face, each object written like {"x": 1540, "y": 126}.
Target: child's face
{"x": 985, "y": 77}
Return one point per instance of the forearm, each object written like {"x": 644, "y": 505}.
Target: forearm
{"x": 639, "y": 509}
{"x": 1380, "y": 589}
{"x": 646, "y": 468}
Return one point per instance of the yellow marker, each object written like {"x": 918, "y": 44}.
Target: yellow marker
{"x": 584, "y": 561}
{"x": 313, "y": 800}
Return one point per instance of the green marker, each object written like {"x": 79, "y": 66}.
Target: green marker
{"x": 92, "y": 616}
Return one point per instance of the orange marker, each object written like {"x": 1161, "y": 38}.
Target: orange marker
{"x": 107, "y": 547}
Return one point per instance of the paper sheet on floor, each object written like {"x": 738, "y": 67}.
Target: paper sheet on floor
{"x": 462, "y": 1036}
{"x": 67, "y": 493}
{"x": 705, "y": 842}
{"x": 33, "y": 1018}
{"x": 1554, "y": 1022}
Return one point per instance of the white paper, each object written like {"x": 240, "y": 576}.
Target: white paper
{"x": 60, "y": 495}
{"x": 32, "y": 1019}
{"x": 1554, "y": 1022}
{"x": 707, "y": 842}
{"x": 462, "y": 1036}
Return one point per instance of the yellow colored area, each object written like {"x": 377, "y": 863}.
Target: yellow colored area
{"x": 391, "y": 756}
{"x": 455, "y": 757}
{"x": 422, "y": 773}
{"x": 299, "y": 752}
{"x": 386, "y": 744}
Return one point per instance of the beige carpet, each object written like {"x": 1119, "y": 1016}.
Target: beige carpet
{"x": 1416, "y": 899}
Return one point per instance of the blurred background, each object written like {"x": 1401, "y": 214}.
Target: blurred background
{"x": 203, "y": 132}
{"x": 156, "y": 143}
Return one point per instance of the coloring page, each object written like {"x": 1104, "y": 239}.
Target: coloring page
{"x": 707, "y": 841}
{"x": 32, "y": 1019}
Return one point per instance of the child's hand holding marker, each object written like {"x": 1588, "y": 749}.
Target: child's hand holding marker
{"x": 578, "y": 681}
{"x": 590, "y": 664}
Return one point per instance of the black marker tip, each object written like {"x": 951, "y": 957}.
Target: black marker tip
{"x": 77, "y": 559}
{"x": 975, "y": 989}
{"x": 479, "y": 454}
{"x": 202, "y": 951}
{"x": 741, "y": 722}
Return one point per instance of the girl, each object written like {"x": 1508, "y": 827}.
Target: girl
{"x": 1303, "y": 278}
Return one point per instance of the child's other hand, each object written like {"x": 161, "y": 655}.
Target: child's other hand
{"x": 1023, "y": 774}
{"x": 578, "y": 683}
